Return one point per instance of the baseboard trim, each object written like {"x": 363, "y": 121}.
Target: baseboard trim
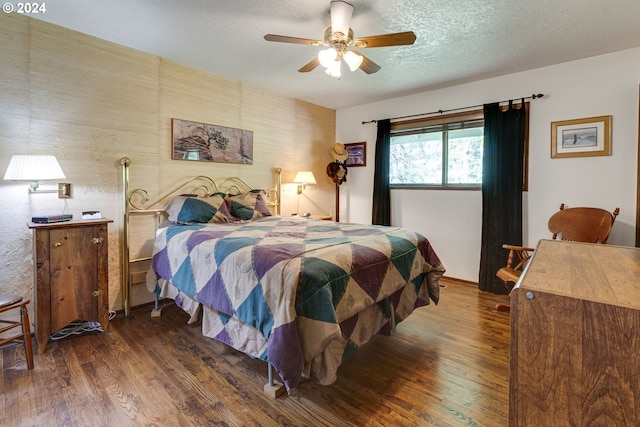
{"x": 459, "y": 281}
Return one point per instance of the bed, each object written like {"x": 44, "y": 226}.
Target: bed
{"x": 299, "y": 293}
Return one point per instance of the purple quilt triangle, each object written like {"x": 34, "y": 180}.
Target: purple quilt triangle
{"x": 224, "y": 337}
{"x": 214, "y": 295}
{"x": 348, "y": 326}
{"x": 368, "y": 269}
{"x": 427, "y": 251}
{"x": 266, "y": 256}
{"x": 201, "y": 236}
{"x": 161, "y": 264}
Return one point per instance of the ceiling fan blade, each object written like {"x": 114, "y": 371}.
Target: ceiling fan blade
{"x": 311, "y": 65}
{"x": 294, "y": 40}
{"x": 382, "y": 40}
{"x": 368, "y": 66}
{"x": 341, "y": 13}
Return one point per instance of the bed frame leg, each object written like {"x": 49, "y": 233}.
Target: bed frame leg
{"x": 273, "y": 388}
{"x": 156, "y": 312}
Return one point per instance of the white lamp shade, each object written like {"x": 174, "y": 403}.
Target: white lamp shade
{"x": 33, "y": 168}
{"x": 341, "y": 13}
{"x": 305, "y": 177}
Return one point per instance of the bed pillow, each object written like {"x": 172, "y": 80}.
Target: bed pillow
{"x": 187, "y": 209}
{"x": 249, "y": 205}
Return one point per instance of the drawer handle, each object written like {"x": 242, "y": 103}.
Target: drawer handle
{"x": 97, "y": 293}
{"x": 97, "y": 240}
{"x": 57, "y": 244}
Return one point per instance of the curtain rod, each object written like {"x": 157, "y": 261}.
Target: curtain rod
{"x": 534, "y": 96}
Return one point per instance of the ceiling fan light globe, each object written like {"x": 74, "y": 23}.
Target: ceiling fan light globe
{"x": 334, "y": 69}
{"x": 327, "y": 57}
{"x": 353, "y": 60}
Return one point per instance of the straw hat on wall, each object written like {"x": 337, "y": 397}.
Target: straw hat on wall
{"x": 339, "y": 152}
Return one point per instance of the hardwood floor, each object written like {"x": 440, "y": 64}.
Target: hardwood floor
{"x": 447, "y": 365}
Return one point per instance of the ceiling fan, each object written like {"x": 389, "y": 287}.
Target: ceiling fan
{"x": 340, "y": 41}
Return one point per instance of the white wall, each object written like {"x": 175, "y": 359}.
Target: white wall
{"x": 597, "y": 86}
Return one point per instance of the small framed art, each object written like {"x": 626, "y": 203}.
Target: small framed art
{"x": 357, "y": 154}
{"x": 581, "y": 137}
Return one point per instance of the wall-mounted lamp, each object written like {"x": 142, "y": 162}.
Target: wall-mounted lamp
{"x": 34, "y": 168}
{"x": 303, "y": 178}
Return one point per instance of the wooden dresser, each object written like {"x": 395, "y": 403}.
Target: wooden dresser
{"x": 71, "y": 275}
{"x": 575, "y": 337}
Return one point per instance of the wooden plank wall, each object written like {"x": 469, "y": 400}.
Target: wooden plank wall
{"x": 91, "y": 102}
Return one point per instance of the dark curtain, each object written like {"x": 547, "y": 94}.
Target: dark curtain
{"x": 381, "y": 213}
{"x": 502, "y": 180}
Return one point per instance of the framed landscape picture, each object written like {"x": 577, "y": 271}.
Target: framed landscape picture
{"x": 357, "y": 154}
{"x": 581, "y": 137}
{"x": 204, "y": 142}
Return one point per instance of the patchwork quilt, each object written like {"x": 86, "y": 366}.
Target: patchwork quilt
{"x": 299, "y": 293}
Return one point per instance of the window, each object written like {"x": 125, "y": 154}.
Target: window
{"x": 443, "y": 152}
{"x": 438, "y": 152}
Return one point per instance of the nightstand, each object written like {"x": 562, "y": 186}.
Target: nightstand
{"x": 324, "y": 217}
{"x": 71, "y": 275}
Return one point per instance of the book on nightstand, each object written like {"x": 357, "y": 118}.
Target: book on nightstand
{"x": 48, "y": 219}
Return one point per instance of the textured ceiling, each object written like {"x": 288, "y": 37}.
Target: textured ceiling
{"x": 457, "y": 40}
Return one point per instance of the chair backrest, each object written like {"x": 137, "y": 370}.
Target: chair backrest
{"x": 591, "y": 225}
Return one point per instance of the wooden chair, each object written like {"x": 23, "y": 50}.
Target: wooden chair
{"x": 590, "y": 225}
{"x": 512, "y": 271}
{"x": 13, "y": 302}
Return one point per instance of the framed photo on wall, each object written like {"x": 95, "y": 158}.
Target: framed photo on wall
{"x": 581, "y": 137}
{"x": 357, "y": 154}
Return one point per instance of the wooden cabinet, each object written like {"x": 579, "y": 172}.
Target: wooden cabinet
{"x": 575, "y": 337}
{"x": 71, "y": 275}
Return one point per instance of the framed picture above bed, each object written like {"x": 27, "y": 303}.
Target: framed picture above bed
{"x": 205, "y": 142}
{"x": 357, "y": 154}
{"x": 581, "y": 137}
